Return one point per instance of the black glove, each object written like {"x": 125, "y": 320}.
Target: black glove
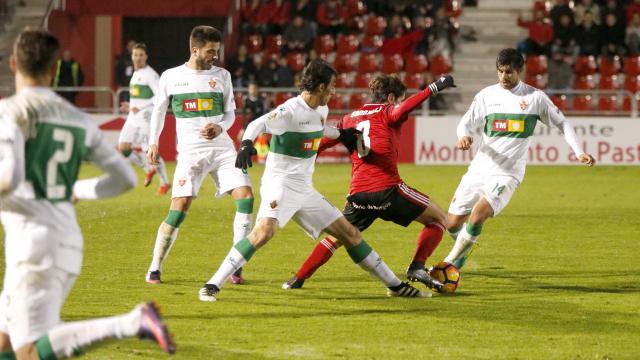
{"x": 349, "y": 138}
{"x": 444, "y": 82}
{"x": 243, "y": 160}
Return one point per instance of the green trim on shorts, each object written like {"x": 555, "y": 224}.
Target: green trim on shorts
{"x": 245, "y": 248}
{"x": 474, "y": 230}
{"x": 359, "y": 252}
{"x": 45, "y": 351}
{"x": 244, "y": 206}
{"x": 9, "y": 355}
{"x": 175, "y": 218}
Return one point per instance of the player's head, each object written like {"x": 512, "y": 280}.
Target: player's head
{"x": 34, "y": 53}
{"x": 319, "y": 78}
{"x": 205, "y": 42}
{"x": 387, "y": 89}
{"x": 509, "y": 65}
{"x": 139, "y": 55}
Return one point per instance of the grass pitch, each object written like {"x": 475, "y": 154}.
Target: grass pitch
{"x": 555, "y": 276}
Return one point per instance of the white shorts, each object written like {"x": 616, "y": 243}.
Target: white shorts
{"x": 497, "y": 189}
{"x": 307, "y": 207}
{"x": 193, "y": 167}
{"x": 136, "y": 131}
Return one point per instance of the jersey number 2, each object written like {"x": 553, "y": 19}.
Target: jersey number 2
{"x": 364, "y": 141}
{"x": 60, "y": 156}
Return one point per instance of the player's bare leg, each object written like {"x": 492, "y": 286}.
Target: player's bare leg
{"x": 243, "y": 197}
{"x": 365, "y": 257}
{"x": 239, "y": 255}
{"x": 166, "y": 236}
{"x": 469, "y": 233}
{"x": 6, "y": 350}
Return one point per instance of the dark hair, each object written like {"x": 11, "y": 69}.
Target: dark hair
{"x": 315, "y": 73}
{"x": 383, "y": 85}
{"x": 35, "y": 51}
{"x": 510, "y": 57}
{"x": 141, "y": 46}
{"x": 202, "y": 34}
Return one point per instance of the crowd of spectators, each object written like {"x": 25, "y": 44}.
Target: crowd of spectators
{"x": 409, "y": 27}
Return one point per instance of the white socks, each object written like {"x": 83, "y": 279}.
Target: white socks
{"x": 162, "y": 171}
{"x": 462, "y": 247}
{"x": 66, "y": 339}
{"x": 231, "y": 264}
{"x": 374, "y": 265}
{"x": 167, "y": 235}
{"x": 241, "y": 226}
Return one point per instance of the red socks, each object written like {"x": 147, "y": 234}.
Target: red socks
{"x": 318, "y": 257}
{"x": 428, "y": 240}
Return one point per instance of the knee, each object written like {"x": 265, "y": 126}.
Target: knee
{"x": 125, "y": 149}
{"x": 261, "y": 234}
{"x": 242, "y": 192}
{"x": 5, "y": 343}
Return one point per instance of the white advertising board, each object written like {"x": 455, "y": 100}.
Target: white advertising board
{"x": 612, "y": 141}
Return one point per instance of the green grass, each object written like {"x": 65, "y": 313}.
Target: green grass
{"x": 555, "y": 276}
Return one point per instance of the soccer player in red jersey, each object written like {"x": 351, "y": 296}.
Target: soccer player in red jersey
{"x": 376, "y": 189}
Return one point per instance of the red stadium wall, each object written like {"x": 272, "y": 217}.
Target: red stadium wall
{"x": 156, "y": 8}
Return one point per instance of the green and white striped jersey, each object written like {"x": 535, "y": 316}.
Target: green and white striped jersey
{"x": 142, "y": 87}
{"x": 297, "y": 130}
{"x": 57, "y": 138}
{"x": 506, "y": 120}
{"x": 197, "y": 98}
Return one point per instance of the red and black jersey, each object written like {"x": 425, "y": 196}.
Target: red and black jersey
{"x": 375, "y": 161}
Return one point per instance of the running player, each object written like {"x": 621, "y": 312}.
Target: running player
{"x": 43, "y": 141}
{"x": 201, "y": 97}
{"x": 376, "y": 190}
{"x": 287, "y": 190}
{"x": 504, "y": 117}
{"x": 134, "y": 136}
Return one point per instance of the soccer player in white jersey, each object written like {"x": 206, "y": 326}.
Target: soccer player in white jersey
{"x": 202, "y": 100}
{"x": 134, "y": 136}
{"x": 503, "y": 117}
{"x": 43, "y": 140}
{"x": 287, "y": 190}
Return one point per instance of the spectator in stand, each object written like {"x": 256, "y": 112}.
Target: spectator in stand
{"x": 307, "y": 9}
{"x": 280, "y": 17}
{"x": 560, "y": 8}
{"x": 242, "y": 68}
{"x": 401, "y": 42}
{"x": 298, "y": 36}
{"x": 588, "y": 37}
{"x": 68, "y": 73}
{"x": 266, "y": 73}
{"x": 632, "y": 39}
{"x": 613, "y": 37}
{"x": 613, "y": 7}
{"x": 331, "y": 17}
{"x": 420, "y": 24}
{"x": 633, "y": 8}
{"x": 564, "y": 35}
{"x": 584, "y": 6}
{"x": 378, "y": 7}
{"x": 540, "y": 34}
{"x": 394, "y": 26}
{"x": 441, "y": 35}
{"x": 249, "y": 14}
{"x": 124, "y": 69}
{"x": 254, "y": 107}
{"x": 283, "y": 73}
{"x": 563, "y": 52}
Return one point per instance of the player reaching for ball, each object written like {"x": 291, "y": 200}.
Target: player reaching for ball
{"x": 376, "y": 190}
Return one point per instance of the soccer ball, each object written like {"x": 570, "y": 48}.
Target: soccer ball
{"x": 447, "y": 274}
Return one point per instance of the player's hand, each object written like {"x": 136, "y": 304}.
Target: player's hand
{"x": 152, "y": 154}
{"x": 124, "y": 107}
{"x": 210, "y": 131}
{"x": 349, "y": 138}
{"x": 444, "y": 82}
{"x": 243, "y": 160}
{"x": 465, "y": 143}
{"x": 587, "y": 159}
{"x": 135, "y": 110}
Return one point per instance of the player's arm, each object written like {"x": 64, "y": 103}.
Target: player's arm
{"x": 471, "y": 123}
{"x": 12, "y": 163}
{"x": 551, "y": 114}
{"x": 118, "y": 178}
{"x": 160, "y": 103}
{"x": 332, "y": 136}
{"x": 401, "y": 111}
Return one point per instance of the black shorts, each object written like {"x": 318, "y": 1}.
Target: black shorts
{"x": 399, "y": 204}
